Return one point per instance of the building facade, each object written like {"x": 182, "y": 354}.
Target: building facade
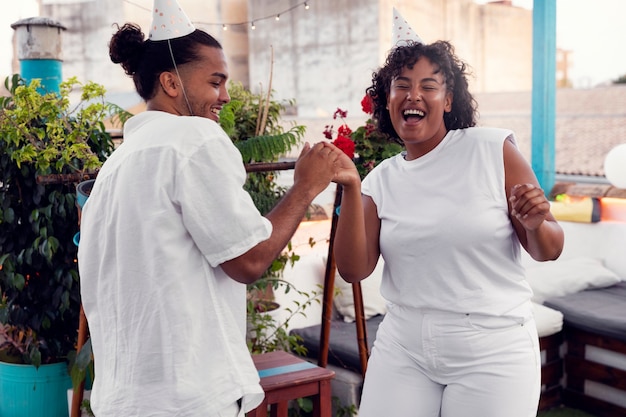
{"x": 322, "y": 55}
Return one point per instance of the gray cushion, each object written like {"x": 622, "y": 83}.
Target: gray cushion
{"x": 600, "y": 311}
{"x": 343, "y": 347}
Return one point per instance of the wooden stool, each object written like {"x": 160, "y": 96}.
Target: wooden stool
{"x": 287, "y": 377}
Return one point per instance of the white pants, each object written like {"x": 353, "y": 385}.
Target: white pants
{"x": 433, "y": 363}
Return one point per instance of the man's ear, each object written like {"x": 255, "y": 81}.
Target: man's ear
{"x": 169, "y": 83}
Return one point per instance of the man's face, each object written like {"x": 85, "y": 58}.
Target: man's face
{"x": 205, "y": 83}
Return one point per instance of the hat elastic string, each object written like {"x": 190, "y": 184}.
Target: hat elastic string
{"x": 181, "y": 80}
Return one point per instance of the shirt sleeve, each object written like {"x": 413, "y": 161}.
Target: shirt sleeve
{"x": 218, "y": 213}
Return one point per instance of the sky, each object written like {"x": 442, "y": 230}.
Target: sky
{"x": 593, "y": 30}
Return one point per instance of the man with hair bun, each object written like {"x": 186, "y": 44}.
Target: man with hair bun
{"x": 169, "y": 237}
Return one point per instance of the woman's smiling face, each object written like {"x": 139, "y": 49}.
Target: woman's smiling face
{"x": 418, "y": 98}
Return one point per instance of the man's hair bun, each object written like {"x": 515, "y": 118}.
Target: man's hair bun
{"x": 127, "y": 46}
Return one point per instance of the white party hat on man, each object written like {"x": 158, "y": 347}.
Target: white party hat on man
{"x": 402, "y": 31}
{"x": 169, "y": 21}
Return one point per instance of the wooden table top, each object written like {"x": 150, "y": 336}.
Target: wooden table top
{"x": 280, "y": 369}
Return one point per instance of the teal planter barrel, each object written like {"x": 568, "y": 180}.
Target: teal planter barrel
{"x": 26, "y": 391}
{"x": 40, "y": 51}
{"x": 49, "y": 71}
{"x": 83, "y": 190}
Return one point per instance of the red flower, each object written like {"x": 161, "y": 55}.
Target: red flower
{"x": 343, "y": 141}
{"x": 344, "y": 130}
{"x": 369, "y": 165}
{"x": 345, "y": 144}
{"x": 340, "y": 113}
{"x": 367, "y": 105}
{"x": 328, "y": 131}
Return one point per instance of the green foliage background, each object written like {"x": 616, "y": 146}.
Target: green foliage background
{"x": 242, "y": 119}
{"x": 41, "y": 135}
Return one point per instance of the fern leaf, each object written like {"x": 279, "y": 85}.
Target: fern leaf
{"x": 269, "y": 147}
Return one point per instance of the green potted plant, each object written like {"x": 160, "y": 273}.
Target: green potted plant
{"x": 44, "y": 143}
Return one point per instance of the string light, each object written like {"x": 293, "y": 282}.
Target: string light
{"x": 305, "y": 4}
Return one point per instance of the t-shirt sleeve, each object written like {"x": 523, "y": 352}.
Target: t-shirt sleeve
{"x": 371, "y": 185}
{"x": 366, "y": 185}
{"x": 218, "y": 213}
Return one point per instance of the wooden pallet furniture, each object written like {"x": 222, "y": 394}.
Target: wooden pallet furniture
{"x": 595, "y": 358}
{"x": 551, "y": 370}
{"x": 580, "y": 369}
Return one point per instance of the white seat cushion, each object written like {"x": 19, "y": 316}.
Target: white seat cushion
{"x": 568, "y": 276}
{"x": 548, "y": 320}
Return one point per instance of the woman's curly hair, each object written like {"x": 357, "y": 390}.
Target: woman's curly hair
{"x": 145, "y": 60}
{"x": 454, "y": 71}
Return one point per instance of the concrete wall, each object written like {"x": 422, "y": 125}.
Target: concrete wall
{"x": 90, "y": 25}
{"x": 324, "y": 56}
{"x": 506, "y": 49}
{"x": 85, "y": 42}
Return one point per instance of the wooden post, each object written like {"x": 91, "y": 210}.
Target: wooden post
{"x": 77, "y": 395}
{"x": 329, "y": 285}
{"x": 361, "y": 328}
{"x": 327, "y": 301}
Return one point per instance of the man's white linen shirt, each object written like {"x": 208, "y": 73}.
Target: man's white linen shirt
{"x": 167, "y": 324}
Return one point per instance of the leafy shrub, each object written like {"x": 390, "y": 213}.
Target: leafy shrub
{"x": 43, "y": 141}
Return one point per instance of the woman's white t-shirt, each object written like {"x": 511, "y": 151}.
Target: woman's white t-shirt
{"x": 446, "y": 236}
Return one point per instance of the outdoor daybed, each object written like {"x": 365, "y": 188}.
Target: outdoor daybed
{"x": 588, "y": 285}
{"x": 580, "y": 309}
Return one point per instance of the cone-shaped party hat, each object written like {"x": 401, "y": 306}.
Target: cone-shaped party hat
{"x": 402, "y": 31}
{"x": 169, "y": 21}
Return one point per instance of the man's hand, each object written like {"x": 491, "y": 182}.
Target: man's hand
{"x": 320, "y": 164}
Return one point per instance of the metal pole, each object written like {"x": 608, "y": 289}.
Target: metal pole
{"x": 544, "y": 92}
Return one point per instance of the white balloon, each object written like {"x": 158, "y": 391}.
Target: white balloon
{"x": 615, "y": 166}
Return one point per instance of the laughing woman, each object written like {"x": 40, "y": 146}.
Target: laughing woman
{"x": 449, "y": 216}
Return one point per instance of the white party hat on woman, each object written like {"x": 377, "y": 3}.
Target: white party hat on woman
{"x": 169, "y": 21}
{"x": 402, "y": 31}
